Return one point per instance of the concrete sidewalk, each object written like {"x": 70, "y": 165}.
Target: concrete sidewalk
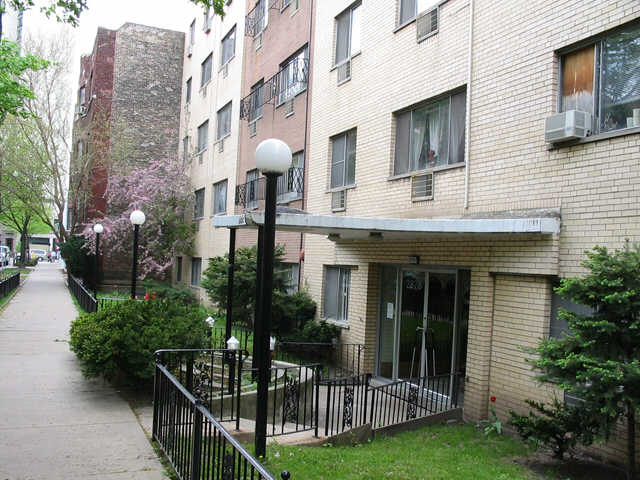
{"x": 55, "y": 424}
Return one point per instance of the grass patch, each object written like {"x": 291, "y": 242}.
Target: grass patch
{"x": 9, "y": 271}
{"x": 440, "y": 452}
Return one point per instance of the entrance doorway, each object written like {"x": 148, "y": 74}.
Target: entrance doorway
{"x": 423, "y": 323}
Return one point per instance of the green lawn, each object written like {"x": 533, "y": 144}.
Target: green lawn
{"x": 441, "y": 452}
{"x": 7, "y": 272}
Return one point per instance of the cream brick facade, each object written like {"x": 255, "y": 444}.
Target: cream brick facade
{"x": 510, "y": 168}
{"x": 224, "y": 87}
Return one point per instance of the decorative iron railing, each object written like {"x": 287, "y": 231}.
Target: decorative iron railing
{"x": 218, "y": 337}
{"x": 254, "y": 22}
{"x": 8, "y": 284}
{"x": 346, "y": 402}
{"x": 284, "y": 85}
{"x": 290, "y": 187}
{"x": 404, "y": 400}
{"x": 86, "y": 301}
{"x": 195, "y": 443}
{"x": 106, "y": 302}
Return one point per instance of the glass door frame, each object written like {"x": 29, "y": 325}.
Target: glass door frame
{"x": 398, "y": 307}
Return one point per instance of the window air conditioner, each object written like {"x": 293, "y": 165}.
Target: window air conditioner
{"x": 338, "y": 201}
{"x": 422, "y": 187}
{"x": 344, "y": 72}
{"x": 189, "y": 50}
{"x": 427, "y": 24}
{"x": 569, "y": 125}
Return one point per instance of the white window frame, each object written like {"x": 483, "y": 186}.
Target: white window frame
{"x": 226, "y": 38}
{"x": 345, "y": 183}
{"x": 343, "y": 290}
{"x": 203, "y": 143}
{"x": 218, "y": 195}
{"x": 203, "y": 69}
{"x": 198, "y": 207}
{"x": 419, "y": 6}
{"x": 351, "y": 52}
{"x": 224, "y": 122}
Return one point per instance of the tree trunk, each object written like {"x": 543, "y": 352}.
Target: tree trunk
{"x": 631, "y": 441}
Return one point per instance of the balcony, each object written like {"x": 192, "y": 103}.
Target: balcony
{"x": 254, "y": 22}
{"x": 284, "y": 85}
{"x": 290, "y": 188}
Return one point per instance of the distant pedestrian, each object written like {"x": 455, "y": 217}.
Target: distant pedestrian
{"x": 49, "y": 256}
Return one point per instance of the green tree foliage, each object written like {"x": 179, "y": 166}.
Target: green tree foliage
{"x": 119, "y": 342}
{"x": 214, "y": 281}
{"x": 599, "y": 361}
{"x": 14, "y": 90}
{"x": 78, "y": 262}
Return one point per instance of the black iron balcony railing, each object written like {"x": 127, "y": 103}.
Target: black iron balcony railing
{"x": 284, "y": 85}
{"x": 290, "y": 187}
{"x": 254, "y": 22}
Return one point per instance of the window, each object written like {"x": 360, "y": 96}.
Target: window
{"x": 410, "y": 8}
{"x": 228, "y": 46}
{"x": 188, "y": 93}
{"x": 196, "y": 271}
{"x": 291, "y": 182}
{"x": 206, "y": 70}
{"x": 203, "y": 139}
{"x": 343, "y": 160}
{"x": 192, "y": 33}
{"x": 220, "y": 197}
{"x": 292, "y": 77}
{"x": 293, "y": 271}
{"x": 347, "y": 34}
{"x": 252, "y": 188}
{"x": 431, "y": 135}
{"x": 80, "y": 149}
{"x": 337, "y": 281}
{"x": 82, "y": 96}
{"x": 185, "y": 148}
{"x": 260, "y": 17}
{"x": 257, "y": 91}
{"x": 559, "y": 326}
{"x": 198, "y": 207}
{"x": 206, "y": 21}
{"x": 179, "y": 269}
{"x": 224, "y": 121}
{"x": 603, "y": 79}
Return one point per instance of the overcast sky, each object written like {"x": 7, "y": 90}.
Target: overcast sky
{"x": 171, "y": 14}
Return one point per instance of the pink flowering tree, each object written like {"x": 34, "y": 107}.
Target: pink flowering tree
{"x": 162, "y": 190}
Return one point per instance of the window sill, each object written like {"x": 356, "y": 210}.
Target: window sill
{"x": 204, "y": 87}
{"x": 279, "y": 104}
{"x": 226, "y": 135}
{"x": 346, "y": 60}
{"x": 426, "y": 170}
{"x": 339, "y": 323}
{"x": 226, "y": 63}
{"x": 404, "y": 25}
{"x": 594, "y": 138}
{"x": 339, "y": 189}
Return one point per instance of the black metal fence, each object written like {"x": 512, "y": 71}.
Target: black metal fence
{"x": 8, "y": 284}
{"x": 337, "y": 359}
{"x": 195, "y": 443}
{"x": 106, "y": 302}
{"x": 243, "y": 335}
{"x": 87, "y": 301}
{"x": 346, "y": 402}
{"x": 403, "y": 400}
{"x": 213, "y": 376}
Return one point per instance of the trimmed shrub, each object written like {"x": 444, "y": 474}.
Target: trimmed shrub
{"x": 173, "y": 293}
{"x": 291, "y": 312}
{"x": 76, "y": 258}
{"x": 118, "y": 343}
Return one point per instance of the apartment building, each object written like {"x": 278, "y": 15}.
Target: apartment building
{"x": 276, "y": 103}
{"x": 209, "y": 129}
{"x": 442, "y": 207}
{"x": 127, "y": 106}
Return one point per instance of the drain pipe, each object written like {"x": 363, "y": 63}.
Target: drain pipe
{"x": 467, "y": 127}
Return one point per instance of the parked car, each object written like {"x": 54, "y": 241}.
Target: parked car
{"x": 4, "y": 256}
{"x": 38, "y": 254}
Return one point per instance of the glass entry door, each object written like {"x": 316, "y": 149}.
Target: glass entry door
{"x": 423, "y": 322}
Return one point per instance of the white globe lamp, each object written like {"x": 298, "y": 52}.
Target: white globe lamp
{"x": 137, "y": 217}
{"x": 273, "y": 156}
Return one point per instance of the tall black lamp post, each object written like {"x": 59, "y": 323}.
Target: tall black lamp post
{"x": 273, "y": 158}
{"x": 97, "y": 229}
{"x": 137, "y": 218}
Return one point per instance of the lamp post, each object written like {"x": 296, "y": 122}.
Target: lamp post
{"x": 137, "y": 218}
{"x": 273, "y": 158}
{"x": 97, "y": 229}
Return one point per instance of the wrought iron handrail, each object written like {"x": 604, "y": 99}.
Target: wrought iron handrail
{"x": 288, "y": 82}
{"x": 338, "y": 359}
{"x": 195, "y": 442}
{"x": 218, "y": 339}
{"x": 87, "y": 302}
{"x": 291, "y": 182}
{"x": 254, "y": 21}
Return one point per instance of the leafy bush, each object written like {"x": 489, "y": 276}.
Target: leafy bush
{"x": 173, "y": 293}
{"x": 76, "y": 259}
{"x": 119, "y": 342}
{"x": 560, "y": 427}
{"x": 321, "y": 332}
{"x": 291, "y": 312}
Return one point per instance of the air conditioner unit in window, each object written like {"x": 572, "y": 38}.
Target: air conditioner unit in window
{"x": 339, "y": 201}
{"x": 221, "y": 146}
{"x": 253, "y": 129}
{"x": 422, "y": 187}
{"x": 427, "y": 23}
{"x": 289, "y": 107}
{"x": 257, "y": 41}
{"x": 344, "y": 72}
{"x": 189, "y": 50}
{"x": 569, "y": 125}
{"x": 225, "y": 70}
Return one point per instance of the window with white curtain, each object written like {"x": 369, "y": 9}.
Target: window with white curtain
{"x": 228, "y": 46}
{"x": 220, "y": 197}
{"x": 337, "y": 282}
{"x": 347, "y": 34}
{"x": 292, "y": 77}
{"x": 430, "y": 135}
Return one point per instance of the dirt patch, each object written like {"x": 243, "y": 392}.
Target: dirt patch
{"x": 576, "y": 468}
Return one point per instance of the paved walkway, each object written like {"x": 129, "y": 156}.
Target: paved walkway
{"x": 55, "y": 424}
